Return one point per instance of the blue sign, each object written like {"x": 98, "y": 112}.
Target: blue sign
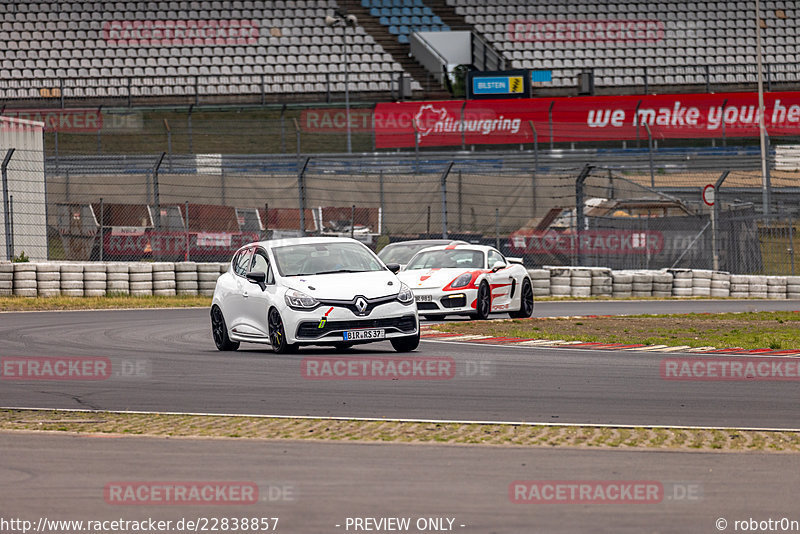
{"x": 497, "y": 85}
{"x": 541, "y": 76}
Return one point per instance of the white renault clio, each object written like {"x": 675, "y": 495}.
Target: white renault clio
{"x": 312, "y": 291}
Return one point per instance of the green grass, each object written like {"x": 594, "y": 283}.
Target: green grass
{"x": 774, "y": 330}
{"x": 100, "y": 303}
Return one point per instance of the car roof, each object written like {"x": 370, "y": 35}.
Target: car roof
{"x": 271, "y": 243}
{"x": 432, "y": 242}
{"x": 459, "y": 246}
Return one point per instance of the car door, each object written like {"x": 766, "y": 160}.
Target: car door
{"x": 256, "y": 302}
{"x": 235, "y": 306}
{"x": 501, "y": 282}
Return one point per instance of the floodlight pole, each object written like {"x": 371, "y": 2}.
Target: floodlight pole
{"x": 761, "y": 127}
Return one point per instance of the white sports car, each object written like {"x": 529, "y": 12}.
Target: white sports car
{"x": 473, "y": 280}
{"x": 312, "y": 291}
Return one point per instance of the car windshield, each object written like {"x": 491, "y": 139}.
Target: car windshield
{"x": 401, "y": 252}
{"x": 448, "y": 258}
{"x": 324, "y": 258}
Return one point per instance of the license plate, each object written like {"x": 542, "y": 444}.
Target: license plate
{"x": 423, "y": 298}
{"x": 355, "y": 335}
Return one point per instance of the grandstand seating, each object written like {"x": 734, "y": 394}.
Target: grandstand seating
{"x": 402, "y": 17}
{"x": 288, "y": 49}
{"x": 693, "y": 39}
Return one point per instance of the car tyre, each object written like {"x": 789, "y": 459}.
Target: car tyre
{"x": 525, "y": 303}
{"x": 219, "y": 331}
{"x": 483, "y": 304}
{"x": 406, "y": 344}
{"x": 277, "y": 333}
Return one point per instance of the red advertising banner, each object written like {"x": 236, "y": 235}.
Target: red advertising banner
{"x": 61, "y": 120}
{"x": 590, "y": 118}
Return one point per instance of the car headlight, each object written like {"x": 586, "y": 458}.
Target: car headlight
{"x": 405, "y": 295}
{"x": 462, "y": 280}
{"x": 298, "y": 299}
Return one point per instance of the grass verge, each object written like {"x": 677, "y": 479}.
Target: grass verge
{"x": 192, "y": 426}
{"x": 100, "y": 303}
{"x": 754, "y": 330}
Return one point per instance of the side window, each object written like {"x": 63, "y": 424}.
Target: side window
{"x": 242, "y": 262}
{"x": 494, "y": 257}
{"x": 261, "y": 263}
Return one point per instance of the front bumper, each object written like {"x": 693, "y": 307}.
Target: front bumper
{"x": 326, "y": 325}
{"x": 457, "y": 302}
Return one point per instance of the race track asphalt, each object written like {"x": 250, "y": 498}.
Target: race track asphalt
{"x": 314, "y": 486}
{"x": 174, "y": 367}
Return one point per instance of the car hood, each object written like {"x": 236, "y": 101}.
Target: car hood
{"x": 430, "y": 278}
{"x": 345, "y": 286}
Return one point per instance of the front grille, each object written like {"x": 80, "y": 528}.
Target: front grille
{"x": 426, "y": 306}
{"x": 454, "y": 301}
{"x": 311, "y": 330}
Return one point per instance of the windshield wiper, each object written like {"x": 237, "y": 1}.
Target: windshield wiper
{"x": 342, "y": 271}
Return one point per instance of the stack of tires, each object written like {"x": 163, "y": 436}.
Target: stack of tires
{"x": 48, "y": 280}
{"x": 701, "y": 283}
{"x": 6, "y": 279}
{"x": 682, "y": 281}
{"x": 642, "y": 284}
{"x": 739, "y": 286}
{"x": 621, "y": 284}
{"x": 720, "y": 284}
{"x": 540, "y": 282}
{"x": 602, "y": 283}
{"x": 792, "y": 285}
{"x": 164, "y": 279}
{"x": 581, "y": 282}
{"x": 140, "y": 276}
{"x": 186, "y": 281}
{"x": 94, "y": 280}
{"x": 24, "y": 280}
{"x": 117, "y": 279}
{"x": 72, "y": 279}
{"x": 662, "y": 284}
{"x": 560, "y": 282}
{"x": 776, "y": 287}
{"x": 207, "y": 274}
{"x": 758, "y": 287}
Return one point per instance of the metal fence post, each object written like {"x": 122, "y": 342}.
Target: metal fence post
{"x": 383, "y": 206}
{"x": 497, "y": 228}
{"x": 650, "y": 152}
{"x": 102, "y": 226}
{"x": 463, "y": 129}
{"x": 579, "y": 217}
{"x": 428, "y": 226}
{"x": 722, "y": 117}
{"x": 186, "y": 209}
{"x": 550, "y": 121}
{"x": 99, "y": 130}
{"x": 11, "y": 220}
{"x": 189, "y": 127}
{"x": 55, "y": 147}
{"x": 715, "y": 220}
{"x": 7, "y": 205}
{"x": 283, "y": 129}
{"x": 460, "y": 203}
{"x": 297, "y": 136}
{"x": 444, "y": 198}
{"x": 352, "y": 220}
{"x": 156, "y": 196}
{"x": 791, "y": 240}
{"x": 169, "y": 143}
{"x": 301, "y": 193}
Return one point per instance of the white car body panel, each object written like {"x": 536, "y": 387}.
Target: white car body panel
{"x": 245, "y": 305}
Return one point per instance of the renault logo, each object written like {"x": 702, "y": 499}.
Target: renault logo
{"x": 361, "y": 305}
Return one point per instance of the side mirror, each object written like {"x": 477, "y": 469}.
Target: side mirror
{"x": 394, "y": 267}
{"x": 258, "y": 277}
{"x": 497, "y": 266}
